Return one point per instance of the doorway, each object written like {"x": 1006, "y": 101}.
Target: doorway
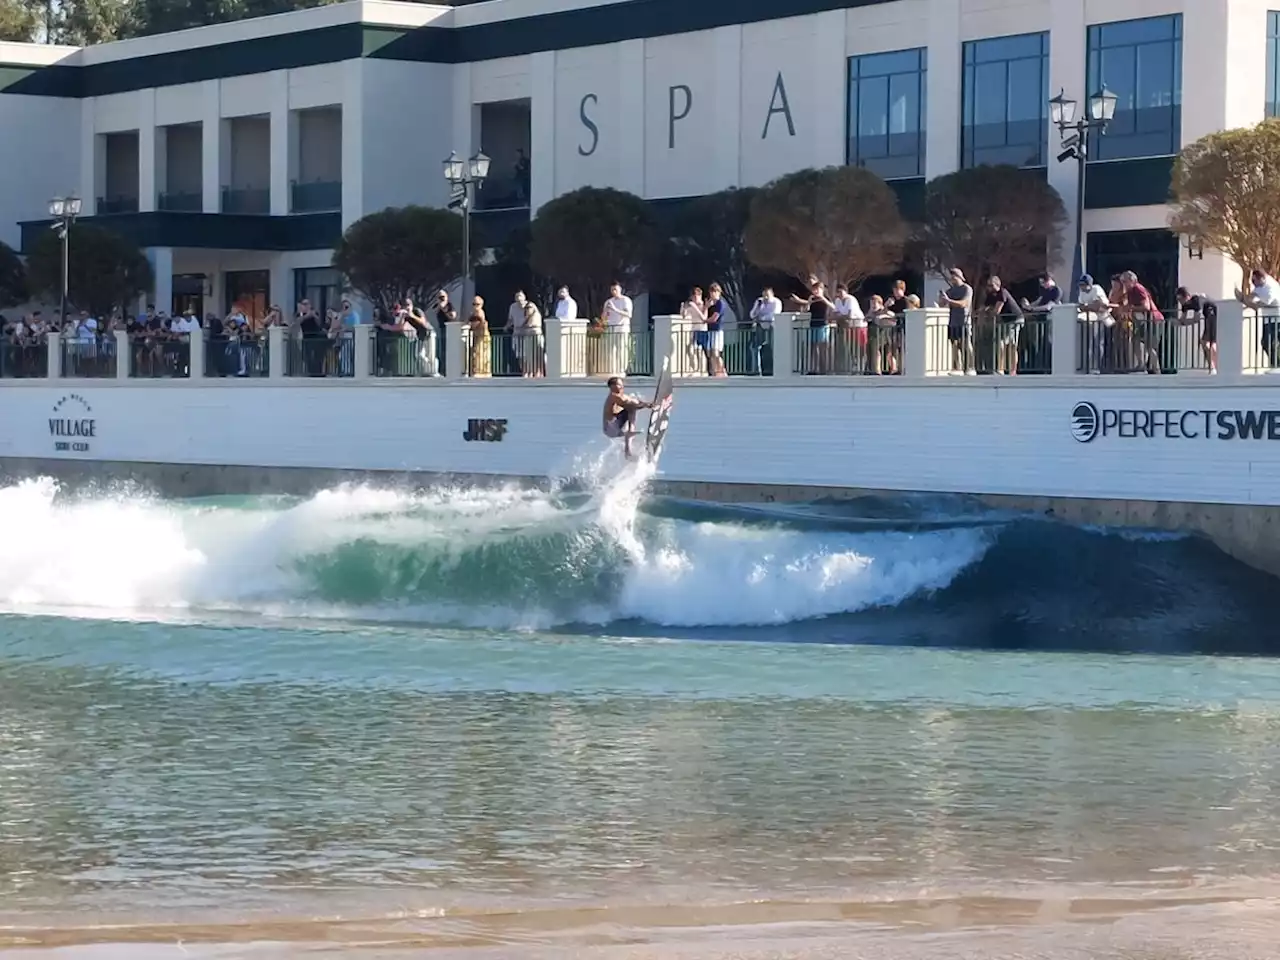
{"x": 188, "y": 295}
{"x": 249, "y": 290}
{"x": 1151, "y": 254}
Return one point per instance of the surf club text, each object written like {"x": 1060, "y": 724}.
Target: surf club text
{"x": 78, "y": 433}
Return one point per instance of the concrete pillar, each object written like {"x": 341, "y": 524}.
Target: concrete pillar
{"x": 353, "y": 141}
{"x": 465, "y": 127}
{"x": 831, "y": 86}
{"x": 915, "y": 351}
{"x": 53, "y": 344}
{"x": 281, "y": 285}
{"x": 664, "y": 343}
{"x": 196, "y": 362}
{"x": 1231, "y": 339}
{"x": 727, "y": 119}
{"x": 212, "y": 134}
{"x": 363, "y": 349}
{"x": 276, "y": 344}
{"x": 628, "y": 59}
{"x": 162, "y": 286}
{"x": 553, "y": 327}
{"x": 149, "y": 181}
{"x": 542, "y": 130}
{"x": 942, "y": 83}
{"x": 1064, "y": 326}
{"x": 784, "y": 346}
{"x": 1066, "y": 73}
{"x": 124, "y": 356}
{"x": 454, "y": 366}
{"x": 278, "y": 99}
{"x": 92, "y": 161}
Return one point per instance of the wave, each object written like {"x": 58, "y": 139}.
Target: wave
{"x": 597, "y": 551}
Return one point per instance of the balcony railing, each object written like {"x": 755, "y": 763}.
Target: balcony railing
{"x": 155, "y": 358}
{"x": 23, "y": 360}
{"x": 91, "y": 358}
{"x": 502, "y": 193}
{"x": 246, "y": 200}
{"x": 315, "y": 197}
{"x": 321, "y": 356}
{"x": 179, "y": 202}
{"x": 118, "y": 204}
{"x": 248, "y": 356}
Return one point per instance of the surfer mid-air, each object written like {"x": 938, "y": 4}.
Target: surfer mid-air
{"x": 620, "y": 413}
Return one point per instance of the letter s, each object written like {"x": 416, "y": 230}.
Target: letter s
{"x": 589, "y": 124}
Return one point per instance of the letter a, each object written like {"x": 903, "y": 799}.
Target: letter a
{"x": 778, "y": 104}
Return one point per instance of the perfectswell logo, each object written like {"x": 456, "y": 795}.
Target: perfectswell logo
{"x": 72, "y": 425}
{"x": 1085, "y": 422}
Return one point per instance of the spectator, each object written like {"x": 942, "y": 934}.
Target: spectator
{"x": 1050, "y": 296}
{"x": 1265, "y": 298}
{"x": 851, "y": 332}
{"x": 1007, "y": 322}
{"x": 1197, "y": 308}
{"x": 392, "y": 331}
{"x": 314, "y": 341}
{"x": 958, "y": 298}
{"x": 1095, "y": 315}
{"x": 717, "y": 317}
{"x": 566, "y": 306}
{"x": 480, "y": 364}
{"x": 764, "y": 313}
{"x": 882, "y": 351}
{"x": 899, "y": 301}
{"x": 820, "y": 318}
{"x": 417, "y": 326}
{"x": 617, "y": 323}
{"x": 1147, "y": 325}
{"x": 524, "y": 322}
{"x": 694, "y": 312}
{"x": 348, "y": 315}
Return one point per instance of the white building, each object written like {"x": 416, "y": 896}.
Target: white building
{"x": 235, "y": 154}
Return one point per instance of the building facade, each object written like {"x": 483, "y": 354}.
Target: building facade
{"x": 236, "y": 154}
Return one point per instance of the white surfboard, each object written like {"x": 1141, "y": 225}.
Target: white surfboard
{"x": 660, "y": 414}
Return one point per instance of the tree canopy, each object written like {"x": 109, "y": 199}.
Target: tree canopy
{"x": 401, "y": 252}
{"x": 590, "y": 238}
{"x": 1225, "y": 198}
{"x": 708, "y": 243}
{"x": 104, "y": 270}
{"x": 991, "y": 221}
{"x": 13, "y": 277}
{"x": 840, "y": 224}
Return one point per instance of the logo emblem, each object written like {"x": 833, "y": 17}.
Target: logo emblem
{"x": 1084, "y": 422}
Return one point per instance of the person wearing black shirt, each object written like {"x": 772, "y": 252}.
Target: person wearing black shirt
{"x": 314, "y": 339}
{"x": 1003, "y": 309}
{"x": 819, "y": 329}
{"x": 1196, "y": 306}
{"x": 898, "y": 301}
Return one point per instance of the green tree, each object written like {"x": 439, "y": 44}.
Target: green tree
{"x": 401, "y": 252}
{"x": 994, "y": 220}
{"x": 13, "y": 277}
{"x": 1224, "y": 194}
{"x": 709, "y": 243}
{"x": 590, "y": 238}
{"x": 840, "y": 224}
{"x": 163, "y": 16}
{"x": 19, "y": 21}
{"x": 84, "y": 22}
{"x": 105, "y": 270}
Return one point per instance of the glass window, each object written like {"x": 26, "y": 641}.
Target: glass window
{"x": 322, "y": 286}
{"x": 1006, "y": 96}
{"x": 1273, "y": 55}
{"x": 1140, "y": 61}
{"x": 887, "y": 113}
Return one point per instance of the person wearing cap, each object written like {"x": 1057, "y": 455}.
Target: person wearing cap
{"x": 1095, "y": 314}
{"x": 1197, "y": 308}
{"x": 958, "y": 298}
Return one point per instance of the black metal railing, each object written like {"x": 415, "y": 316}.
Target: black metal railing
{"x": 180, "y": 202}
{"x": 321, "y": 356}
{"x": 109, "y": 205}
{"x": 160, "y": 358}
{"x": 315, "y": 197}
{"x": 24, "y": 360}
{"x": 246, "y": 200}
{"x": 1141, "y": 344}
{"x": 242, "y": 357}
{"x": 88, "y": 358}
{"x": 1261, "y": 347}
{"x": 1008, "y": 346}
{"x": 847, "y": 351}
{"x": 404, "y": 355}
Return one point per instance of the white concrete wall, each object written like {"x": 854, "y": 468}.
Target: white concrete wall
{"x": 948, "y": 438}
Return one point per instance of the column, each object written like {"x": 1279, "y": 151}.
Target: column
{"x": 196, "y": 361}
{"x": 162, "y": 284}
{"x": 454, "y": 366}
{"x": 463, "y": 115}
{"x": 275, "y": 350}
{"x": 1064, "y": 323}
{"x": 663, "y": 341}
{"x": 727, "y": 121}
{"x": 278, "y": 97}
{"x": 92, "y": 161}
{"x": 212, "y": 134}
{"x": 281, "y": 284}
{"x": 353, "y": 144}
{"x": 542, "y": 130}
{"x": 1067, "y": 73}
{"x": 1231, "y": 340}
{"x": 630, "y": 64}
{"x": 53, "y": 344}
{"x": 363, "y": 348}
{"x": 149, "y": 181}
{"x": 124, "y": 355}
{"x": 784, "y": 346}
{"x": 554, "y": 330}
{"x": 915, "y": 352}
{"x": 942, "y": 117}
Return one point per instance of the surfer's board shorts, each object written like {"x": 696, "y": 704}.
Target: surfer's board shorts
{"x": 617, "y": 427}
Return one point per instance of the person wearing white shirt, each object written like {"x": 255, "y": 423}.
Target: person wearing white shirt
{"x": 1095, "y": 314}
{"x": 617, "y": 331}
{"x": 566, "y": 306}
{"x": 851, "y": 330}
{"x": 763, "y": 313}
{"x": 1265, "y": 298}
{"x": 694, "y": 314}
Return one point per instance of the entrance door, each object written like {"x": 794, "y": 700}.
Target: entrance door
{"x": 188, "y": 295}
{"x": 249, "y": 290}
{"x": 1151, "y": 254}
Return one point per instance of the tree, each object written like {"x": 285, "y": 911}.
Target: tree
{"x": 19, "y": 21}
{"x": 84, "y": 22}
{"x": 105, "y": 270}
{"x": 709, "y": 243}
{"x": 1224, "y": 194}
{"x": 840, "y": 224}
{"x": 590, "y": 238}
{"x": 164, "y": 16}
{"x": 13, "y": 277}
{"x": 995, "y": 220}
{"x": 401, "y": 252}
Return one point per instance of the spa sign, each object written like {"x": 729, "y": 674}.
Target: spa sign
{"x": 72, "y": 426}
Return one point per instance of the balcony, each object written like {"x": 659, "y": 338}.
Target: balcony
{"x": 110, "y": 205}
{"x": 505, "y": 139}
{"x": 319, "y": 196}
{"x": 253, "y": 200}
{"x": 180, "y": 202}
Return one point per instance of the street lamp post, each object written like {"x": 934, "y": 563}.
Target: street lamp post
{"x": 64, "y": 211}
{"x": 465, "y": 176}
{"x": 1074, "y": 132}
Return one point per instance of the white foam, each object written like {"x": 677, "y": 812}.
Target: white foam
{"x": 124, "y": 555}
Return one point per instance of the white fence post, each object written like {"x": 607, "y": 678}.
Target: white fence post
{"x": 454, "y": 366}
{"x": 195, "y": 362}
{"x": 124, "y": 356}
{"x": 275, "y": 352}
{"x": 784, "y": 345}
{"x": 1064, "y": 331}
{"x": 915, "y": 339}
{"x": 1235, "y": 324}
{"x": 362, "y": 351}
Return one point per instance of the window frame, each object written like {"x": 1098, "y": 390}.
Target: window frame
{"x": 1271, "y": 103}
{"x": 968, "y": 71}
{"x": 1094, "y": 48}
{"x": 854, "y": 77}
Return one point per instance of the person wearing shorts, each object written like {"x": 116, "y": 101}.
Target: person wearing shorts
{"x": 958, "y": 298}
{"x": 820, "y": 313}
{"x": 620, "y": 414}
{"x": 715, "y": 331}
{"x": 1194, "y": 307}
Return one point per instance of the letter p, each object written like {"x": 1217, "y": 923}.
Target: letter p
{"x": 672, "y": 116}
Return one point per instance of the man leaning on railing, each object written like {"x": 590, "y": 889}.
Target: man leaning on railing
{"x": 1265, "y": 298}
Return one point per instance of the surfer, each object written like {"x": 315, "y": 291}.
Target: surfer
{"x": 620, "y": 414}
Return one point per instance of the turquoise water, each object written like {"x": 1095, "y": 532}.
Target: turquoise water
{"x": 512, "y": 722}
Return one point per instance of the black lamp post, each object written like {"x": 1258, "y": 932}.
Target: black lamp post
{"x": 1075, "y": 146}
{"x": 64, "y": 211}
{"x": 465, "y": 176}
